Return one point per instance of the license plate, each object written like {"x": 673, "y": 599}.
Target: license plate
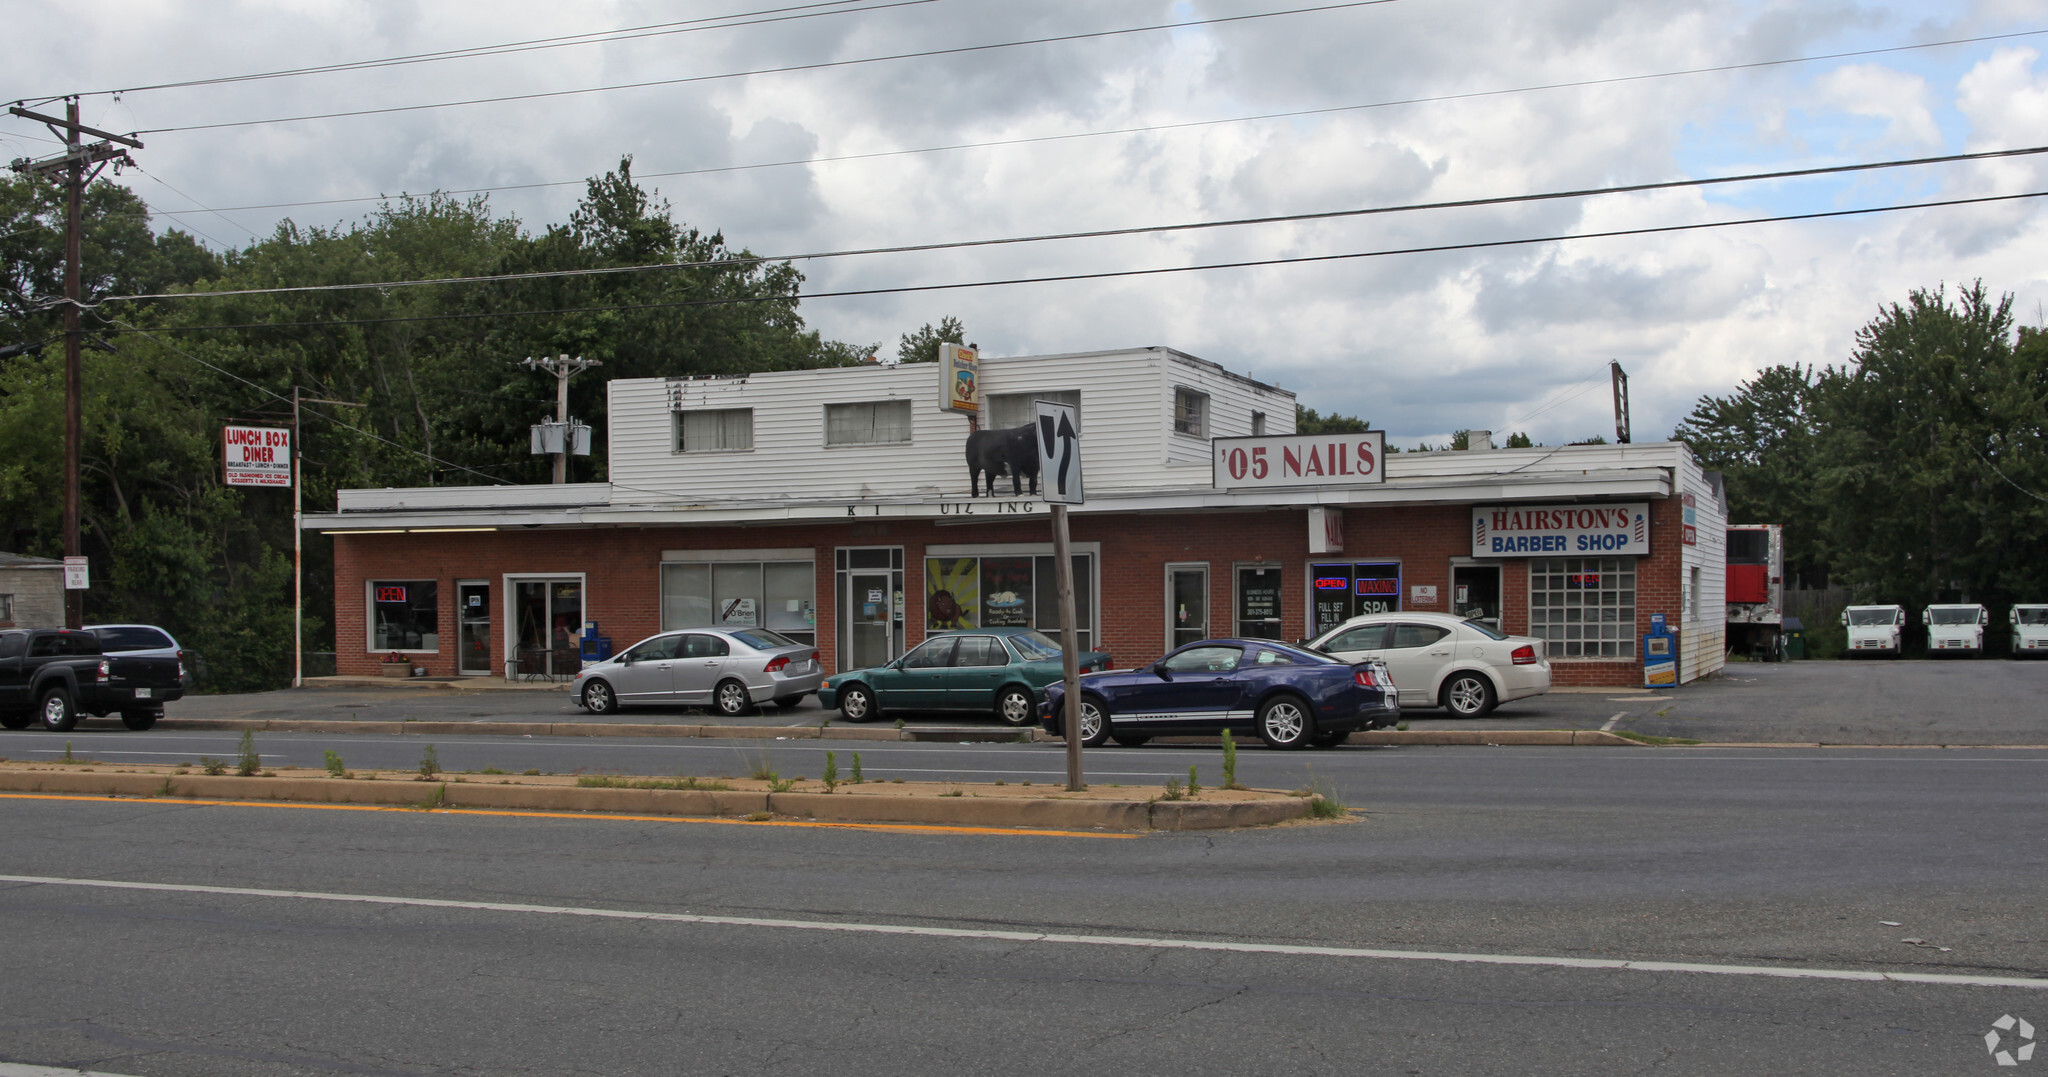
{"x": 142, "y": 693}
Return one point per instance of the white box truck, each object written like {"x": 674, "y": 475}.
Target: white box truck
{"x": 1955, "y": 629}
{"x": 1874, "y": 630}
{"x": 2030, "y": 630}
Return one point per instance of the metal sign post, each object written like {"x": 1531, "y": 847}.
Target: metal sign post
{"x": 1059, "y": 476}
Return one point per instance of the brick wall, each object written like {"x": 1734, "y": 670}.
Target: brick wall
{"x": 623, "y": 585}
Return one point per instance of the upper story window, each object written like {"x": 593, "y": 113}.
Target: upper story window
{"x": 714, "y": 430}
{"x": 1007, "y": 410}
{"x": 879, "y": 422}
{"x": 6, "y": 609}
{"x": 1258, "y": 424}
{"x": 1190, "y": 413}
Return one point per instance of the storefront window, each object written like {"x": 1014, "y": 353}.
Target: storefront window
{"x": 1187, "y": 604}
{"x": 405, "y": 615}
{"x": 1585, "y": 607}
{"x": 1345, "y": 590}
{"x": 1005, "y": 592}
{"x": 778, "y": 595}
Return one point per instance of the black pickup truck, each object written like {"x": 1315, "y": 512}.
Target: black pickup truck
{"x": 53, "y": 675}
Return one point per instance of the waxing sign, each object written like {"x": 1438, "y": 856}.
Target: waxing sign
{"x": 1541, "y": 530}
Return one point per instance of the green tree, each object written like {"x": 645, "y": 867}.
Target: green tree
{"x": 1763, "y": 438}
{"x": 1929, "y": 460}
{"x": 1306, "y": 421}
{"x": 923, "y": 345}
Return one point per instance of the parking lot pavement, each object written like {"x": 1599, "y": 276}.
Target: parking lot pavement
{"x": 1989, "y": 702}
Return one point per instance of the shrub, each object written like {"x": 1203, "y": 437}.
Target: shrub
{"x": 430, "y": 762}
{"x": 247, "y": 761}
{"x": 335, "y": 769}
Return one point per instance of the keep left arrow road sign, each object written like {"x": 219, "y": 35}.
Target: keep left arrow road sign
{"x": 1059, "y": 454}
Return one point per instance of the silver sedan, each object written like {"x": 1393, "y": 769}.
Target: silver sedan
{"x": 727, "y": 669}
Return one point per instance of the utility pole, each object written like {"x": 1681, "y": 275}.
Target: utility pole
{"x": 78, "y": 165}
{"x": 1620, "y": 379}
{"x": 299, "y": 532}
{"x": 563, "y": 368}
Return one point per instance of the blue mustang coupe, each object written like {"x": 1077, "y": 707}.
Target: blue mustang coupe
{"x": 1289, "y": 696}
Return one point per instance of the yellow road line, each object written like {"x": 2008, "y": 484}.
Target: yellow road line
{"x": 912, "y": 828}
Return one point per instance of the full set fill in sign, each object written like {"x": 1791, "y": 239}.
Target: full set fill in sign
{"x": 256, "y": 456}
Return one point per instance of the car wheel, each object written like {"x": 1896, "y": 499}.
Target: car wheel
{"x": 1016, "y": 707}
{"x": 1130, "y": 740}
{"x": 1330, "y": 740}
{"x": 731, "y": 699}
{"x": 1094, "y": 724}
{"x": 16, "y": 720}
{"x": 57, "y": 713}
{"x": 139, "y": 720}
{"x": 599, "y": 698}
{"x": 1285, "y": 722}
{"x": 1468, "y": 695}
{"x": 857, "y": 704}
{"x": 788, "y": 702}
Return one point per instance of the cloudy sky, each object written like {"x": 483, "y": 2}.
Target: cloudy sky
{"x": 1287, "y": 112}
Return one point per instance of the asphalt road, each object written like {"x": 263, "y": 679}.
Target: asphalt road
{"x": 1916, "y": 702}
{"x": 871, "y": 952}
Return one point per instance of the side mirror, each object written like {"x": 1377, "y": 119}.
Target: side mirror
{"x": 1926, "y": 618}
{"x": 1164, "y": 674}
{"x": 1845, "y": 617}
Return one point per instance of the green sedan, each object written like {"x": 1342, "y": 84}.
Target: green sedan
{"x": 1002, "y": 671}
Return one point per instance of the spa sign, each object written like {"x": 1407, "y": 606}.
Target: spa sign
{"x": 1562, "y": 530}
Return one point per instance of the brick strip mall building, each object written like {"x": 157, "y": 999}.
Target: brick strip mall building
{"x": 833, "y": 506}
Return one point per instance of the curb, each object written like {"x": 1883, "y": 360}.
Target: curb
{"x": 820, "y": 807}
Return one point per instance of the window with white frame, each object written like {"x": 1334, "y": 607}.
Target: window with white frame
{"x": 1584, "y": 607}
{"x": 1008, "y": 410}
{"x": 1190, "y": 413}
{"x": 1258, "y": 424}
{"x": 714, "y": 430}
{"x": 877, "y": 422}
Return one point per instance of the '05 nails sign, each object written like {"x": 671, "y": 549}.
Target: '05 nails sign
{"x": 1550, "y": 530}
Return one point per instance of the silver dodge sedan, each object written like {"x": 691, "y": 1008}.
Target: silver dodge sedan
{"x": 727, "y": 669}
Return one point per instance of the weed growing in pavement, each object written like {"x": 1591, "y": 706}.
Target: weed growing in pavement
{"x": 335, "y": 768}
{"x": 1322, "y": 798}
{"x": 493, "y": 770}
{"x": 430, "y": 762}
{"x": 165, "y": 789}
{"x": 1230, "y": 762}
{"x": 831, "y": 771}
{"x": 1023, "y": 736}
{"x": 67, "y": 754}
{"x": 900, "y": 723}
{"x": 1024, "y": 783}
{"x": 781, "y": 785}
{"x": 1194, "y": 783}
{"x": 857, "y": 779}
{"x": 247, "y": 761}
{"x": 952, "y": 793}
{"x": 822, "y": 723}
{"x": 896, "y": 781}
{"x": 531, "y": 772}
{"x": 1173, "y": 790}
{"x": 1402, "y": 726}
{"x": 999, "y": 781}
{"x": 438, "y": 799}
{"x": 213, "y": 766}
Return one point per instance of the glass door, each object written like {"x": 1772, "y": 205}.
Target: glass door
{"x": 1475, "y": 593}
{"x": 1258, "y": 602}
{"x": 1187, "y": 604}
{"x": 547, "y": 618}
{"x": 867, "y": 605}
{"x": 473, "y": 628}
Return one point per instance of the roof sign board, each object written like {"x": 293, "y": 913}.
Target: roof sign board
{"x": 1542, "y": 530}
{"x": 1299, "y": 460}
{"x": 256, "y": 456}
{"x": 959, "y": 379}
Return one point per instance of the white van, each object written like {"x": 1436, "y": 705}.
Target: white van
{"x": 2030, "y": 630}
{"x": 1874, "y": 630}
{"x": 1955, "y": 629}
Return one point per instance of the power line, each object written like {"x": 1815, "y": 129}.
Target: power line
{"x": 1290, "y": 218}
{"x": 1111, "y": 274}
{"x": 1150, "y": 128}
{"x": 787, "y": 69}
{"x": 597, "y": 37}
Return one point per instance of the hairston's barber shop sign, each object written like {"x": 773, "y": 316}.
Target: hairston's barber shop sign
{"x": 1561, "y": 530}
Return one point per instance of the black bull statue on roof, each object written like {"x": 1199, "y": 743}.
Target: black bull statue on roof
{"x": 998, "y": 452}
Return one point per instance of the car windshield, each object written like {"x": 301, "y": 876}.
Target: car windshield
{"x": 1486, "y": 630}
{"x": 761, "y": 639}
{"x": 1878, "y": 615}
{"x": 1035, "y": 646}
{"x": 2034, "y": 615}
{"x": 1966, "y": 615}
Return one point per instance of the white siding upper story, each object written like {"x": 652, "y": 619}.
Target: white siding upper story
{"x": 1703, "y": 627}
{"x": 1127, "y": 424}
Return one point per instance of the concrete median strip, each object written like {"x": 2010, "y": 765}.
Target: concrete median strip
{"x": 939, "y": 803}
{"x": 985, "y": 733}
